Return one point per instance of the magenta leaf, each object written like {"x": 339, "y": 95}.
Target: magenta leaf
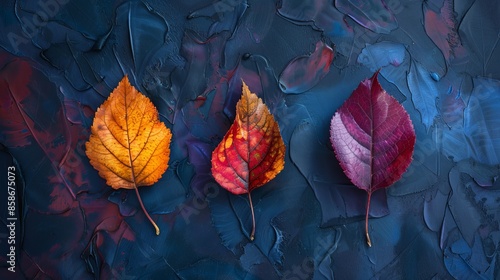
{"x": 373, "y": 139}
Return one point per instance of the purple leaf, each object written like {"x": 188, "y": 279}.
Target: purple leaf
{"x": 373, "y": 139}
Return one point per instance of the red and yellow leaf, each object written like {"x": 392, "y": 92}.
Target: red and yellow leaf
{"x": 373, "y": 139}
{"x": 129, "y": 145}
{"x": 252, "y": 152}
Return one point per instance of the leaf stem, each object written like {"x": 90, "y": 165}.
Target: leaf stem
{"x": 368, "y": 241}
{"x": 252, "y": 235}
{"x": 146, "y": 212}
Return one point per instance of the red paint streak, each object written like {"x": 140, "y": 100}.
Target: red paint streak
{"x": 441, "y": 28}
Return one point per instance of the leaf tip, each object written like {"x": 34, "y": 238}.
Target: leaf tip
{"x": 125, "y": 81}
{"x": 244, "y": 88}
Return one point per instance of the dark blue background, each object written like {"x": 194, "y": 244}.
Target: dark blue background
{"x": 59, "y": 60}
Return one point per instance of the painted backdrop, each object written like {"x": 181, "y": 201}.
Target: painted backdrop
{"x": 60, "y": 59}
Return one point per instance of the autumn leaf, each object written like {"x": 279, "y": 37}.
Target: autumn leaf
{"x": 252, "y": 152}
{"x": 128, "y": 145}
{"x": 373, "y": 139}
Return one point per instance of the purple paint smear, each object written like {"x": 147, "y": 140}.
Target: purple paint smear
{"x": 304, "y": 72}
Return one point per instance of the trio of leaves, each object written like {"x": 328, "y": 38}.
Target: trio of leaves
{"x": 371, "y": 133}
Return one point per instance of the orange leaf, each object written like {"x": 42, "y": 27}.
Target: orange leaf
{"x": 128, "y": 145}
{"x": 252, "y": 152}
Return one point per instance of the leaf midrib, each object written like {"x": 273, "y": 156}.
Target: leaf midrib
{"x": 128, "y": 138}
{"x": 247, "y": 97}
{"x": 371, "y": 139}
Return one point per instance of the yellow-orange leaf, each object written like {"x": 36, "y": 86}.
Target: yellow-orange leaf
{"x": 128, "y": 145}
{"x": 252, "y": 152}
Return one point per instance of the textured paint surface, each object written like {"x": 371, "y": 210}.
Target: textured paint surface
{"x": 59, "y": 60}
{"x": 305, "y": 72}
{"x": 382, "y": 54}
